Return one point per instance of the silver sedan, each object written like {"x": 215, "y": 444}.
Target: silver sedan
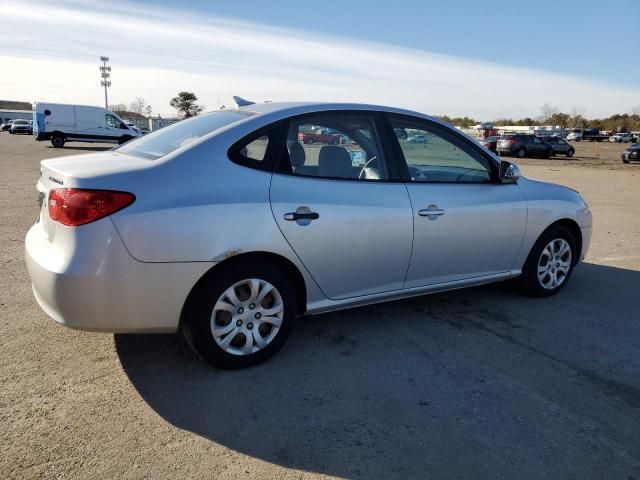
{"x": 227, "y": 226}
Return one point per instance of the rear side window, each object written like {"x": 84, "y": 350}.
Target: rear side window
{"x": 165, "y": 140}
{"x": 255, "y": 150}
{"x": 333, "y": 145}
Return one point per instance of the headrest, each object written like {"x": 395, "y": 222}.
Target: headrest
{"x": 334, "y": 162}
{"x": 296, "y": 154}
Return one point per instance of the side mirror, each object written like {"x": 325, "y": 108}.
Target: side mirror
{"x": 509, "y": 172}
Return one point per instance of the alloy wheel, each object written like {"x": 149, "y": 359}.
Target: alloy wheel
{"x": 554, "y": 264}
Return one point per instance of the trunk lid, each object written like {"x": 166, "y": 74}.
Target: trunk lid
{"x": 101, "y": 170}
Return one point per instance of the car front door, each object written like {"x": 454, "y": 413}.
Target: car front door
{"x": 466, "y": 224}
{"x": 114, "y": 128}
{"x": 334, "y": 202}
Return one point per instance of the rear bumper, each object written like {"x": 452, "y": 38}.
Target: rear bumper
{"x": 85, "y": 279}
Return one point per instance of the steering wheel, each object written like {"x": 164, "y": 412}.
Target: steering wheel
{"x": 364, "y": 167}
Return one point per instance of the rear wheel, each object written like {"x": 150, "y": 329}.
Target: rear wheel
{"x": 57, "y": 141}
{"x": 520, "y": 153}
{"x": 550, "y": 263}
{"x": 240, "y": 315}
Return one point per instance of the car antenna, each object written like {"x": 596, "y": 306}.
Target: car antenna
{"x": 241, "y": 102}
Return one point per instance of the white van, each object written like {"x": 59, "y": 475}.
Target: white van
{"x": 79, "y": 123}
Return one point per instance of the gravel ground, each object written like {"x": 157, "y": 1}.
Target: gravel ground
{"x": 478, "y": 383}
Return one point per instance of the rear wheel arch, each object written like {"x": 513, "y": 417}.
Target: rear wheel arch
{"x": 252, "y": 258}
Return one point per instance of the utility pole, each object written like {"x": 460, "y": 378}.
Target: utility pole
{"x": 105, "y": 74}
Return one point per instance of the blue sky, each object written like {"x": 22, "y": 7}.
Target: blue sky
{"x": 581, "y": 37}
{"x": 455, "y": 58}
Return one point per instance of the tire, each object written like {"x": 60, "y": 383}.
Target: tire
{"x": 520, "y": 153}
{"x": 625, "y": 161}
{"x": 570, "y": 152}
{"x": 57, "y": 141}
{"x": 11, "y": 132}
{"x": 532, "y": 283}
{"x": 200, "y": 314}
{"x": 124, "y": 139}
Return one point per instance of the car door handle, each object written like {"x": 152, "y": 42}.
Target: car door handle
{"x": 293, "y": 216}
{"x": 431, "y": 212}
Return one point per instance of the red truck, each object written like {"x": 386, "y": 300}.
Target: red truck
{"x": 321, "y": 136}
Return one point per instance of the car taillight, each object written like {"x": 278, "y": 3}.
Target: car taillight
{"x": 512, "y": 142}
{"x": 76, "y": 206}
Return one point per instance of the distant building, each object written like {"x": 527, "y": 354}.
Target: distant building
{"x": 159, "y": 122}
{"x": 6, "y": 115}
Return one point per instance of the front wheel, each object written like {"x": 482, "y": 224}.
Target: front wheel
{"x": 520, "y": 153}
{"x": 570, "y": 153}
{"x": 550, "y": 263}
{"x": 241, "y": 315}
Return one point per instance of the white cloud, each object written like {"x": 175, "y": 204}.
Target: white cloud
{"x": 50, "y": 52}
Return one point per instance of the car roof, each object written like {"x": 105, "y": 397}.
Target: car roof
{"x": 287, "y": 109}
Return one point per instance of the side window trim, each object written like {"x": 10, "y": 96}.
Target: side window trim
{"x": 447, "y": 134}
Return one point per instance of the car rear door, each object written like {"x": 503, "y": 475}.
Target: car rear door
{"x": 466, "y": 224}
{"x": 537, "y": 146}
{"x": 349, "y": 224}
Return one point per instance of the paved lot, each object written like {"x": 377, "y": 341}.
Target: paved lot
{"x": 479, "y": 383}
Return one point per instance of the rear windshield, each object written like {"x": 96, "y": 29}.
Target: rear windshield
{"x": 508, "y": 137}
{"x": 164, "y": 141}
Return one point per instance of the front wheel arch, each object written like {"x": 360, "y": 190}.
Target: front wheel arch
{"x": 573, "y": 227}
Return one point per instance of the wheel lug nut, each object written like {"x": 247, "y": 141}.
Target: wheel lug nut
{"x": 239, "y": 323}
{"x": 252, "y": 306}
{"x": 258, "y": 315}
{"x": 249, "y": 325}
{"x": 241, "y": 310}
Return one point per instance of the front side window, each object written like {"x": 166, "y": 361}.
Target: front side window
{"x": 434, "y": 155}
{"x": 337, "y": 146}
{"x": 112, "y": 121}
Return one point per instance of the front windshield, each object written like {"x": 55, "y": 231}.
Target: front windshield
{"x": 170, "y": 138}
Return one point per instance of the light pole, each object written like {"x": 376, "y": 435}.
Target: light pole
{"x": 105, "y": 74}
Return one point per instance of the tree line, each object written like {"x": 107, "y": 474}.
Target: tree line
{"x": 550, "y": 115}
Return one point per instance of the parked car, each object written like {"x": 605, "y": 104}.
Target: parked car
{"x": 632, "y": 153}
{"x": 418, "y": 139}
{"x": 523, "y": 145}
{"x": 21, "y": 126}
{"x": 574, "y": 136}
{"x": 225, "y": 227}
{"x": 490, "y": 142}
{"x": 560, "y": 146}
{"x": 5, "y": 126}
{"x": 321, "y": 136}
{"x": 620, "y": 138}
{"x": 61, "y": 123}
